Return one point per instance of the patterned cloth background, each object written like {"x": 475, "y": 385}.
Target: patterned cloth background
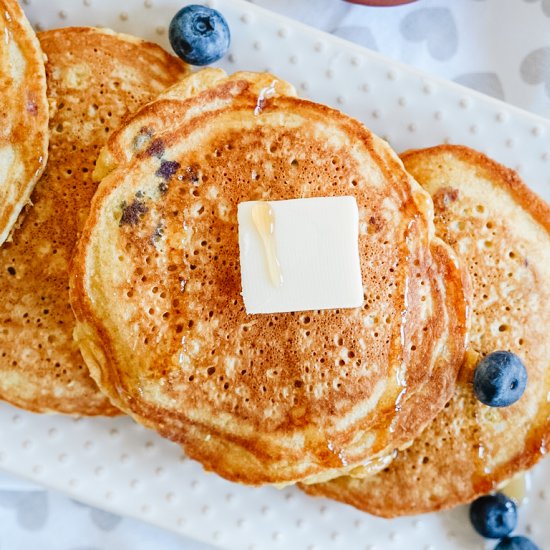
{"x": 34, "y": 519}
{"x": 499, "y": 47}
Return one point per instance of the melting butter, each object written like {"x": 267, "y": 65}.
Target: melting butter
{"x": 263, "y": 219}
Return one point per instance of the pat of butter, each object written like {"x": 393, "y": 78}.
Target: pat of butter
{"x": 316, "y": 244}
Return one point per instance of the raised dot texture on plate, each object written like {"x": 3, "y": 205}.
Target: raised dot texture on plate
{"x": 371, "y": 92}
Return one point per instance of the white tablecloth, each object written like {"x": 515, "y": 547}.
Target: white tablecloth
{"x": 499, "y": 47}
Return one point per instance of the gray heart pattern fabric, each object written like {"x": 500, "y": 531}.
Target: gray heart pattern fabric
{"x": 100, "y": 518}
{"x": 545, "y": 4}
{"x": 360, "y": 35}
{"x": 35, "y": 518}
{"x": 104, "y": 520}
{"x": 468, "y": 41}
{"x": 535, "y": 68}
{"x": 486, "y": 83}
{"x": 31, "y": 508}
{"x": 436, "y": 26}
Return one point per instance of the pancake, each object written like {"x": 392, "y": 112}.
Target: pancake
{"x": 502, "y": 230}
{"x": 135, "y": 135}
{"x": 23, "y": 111}
{"x": 156, "y": 288}
{"x": 95, "y": 78}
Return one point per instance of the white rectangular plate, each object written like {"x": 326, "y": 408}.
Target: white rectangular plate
{"x": 122, "y": 467}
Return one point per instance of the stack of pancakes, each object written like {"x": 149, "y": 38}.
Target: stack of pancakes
{"x": 130, "y": 241}
{"x": 262, "y": 398}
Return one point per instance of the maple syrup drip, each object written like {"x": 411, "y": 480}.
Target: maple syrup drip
{"x": 262, "y": 216}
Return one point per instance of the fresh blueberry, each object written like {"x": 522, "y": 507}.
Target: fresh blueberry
{"x": 493, "y": 516}
{"x": 199, "y": 35}
{"x": 516, "y": 543}
{"x": 500, "y": 379}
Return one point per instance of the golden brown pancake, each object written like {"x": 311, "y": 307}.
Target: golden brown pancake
{"x": 502, "y": 231}
{"x": 95, "y": 78}
{"x": 168, "y": 108}
{"x": 23, "y": 112}
{"x": 155, "y": 286}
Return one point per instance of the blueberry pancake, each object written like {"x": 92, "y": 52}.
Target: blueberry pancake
{"x": 23, "y": 112}
{"x": 95, "y": 78}
{"x": 156, "y": 288}
{"x": 502, "y": 231}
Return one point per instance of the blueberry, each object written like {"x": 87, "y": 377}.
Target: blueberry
{"x": 516, "y": 543}
{"x": 493, "y": 516}
{"x": 500, "y": 379}
{"x": 199, "y": 35}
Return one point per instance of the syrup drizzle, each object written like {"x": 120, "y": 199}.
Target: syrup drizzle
{"x": 518, "y": 487}
{"x": 265, "y": 93}
{"x": 262, "y": 216}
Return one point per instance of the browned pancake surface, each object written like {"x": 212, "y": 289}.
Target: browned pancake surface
{"x": 502, "y": 231}
{"x": 95, "y": 78}
{"x": 23, "y": 113}
{"x": 263, "y": 398}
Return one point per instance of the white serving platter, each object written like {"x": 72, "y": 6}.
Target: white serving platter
{"x": 119, "y": 466}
